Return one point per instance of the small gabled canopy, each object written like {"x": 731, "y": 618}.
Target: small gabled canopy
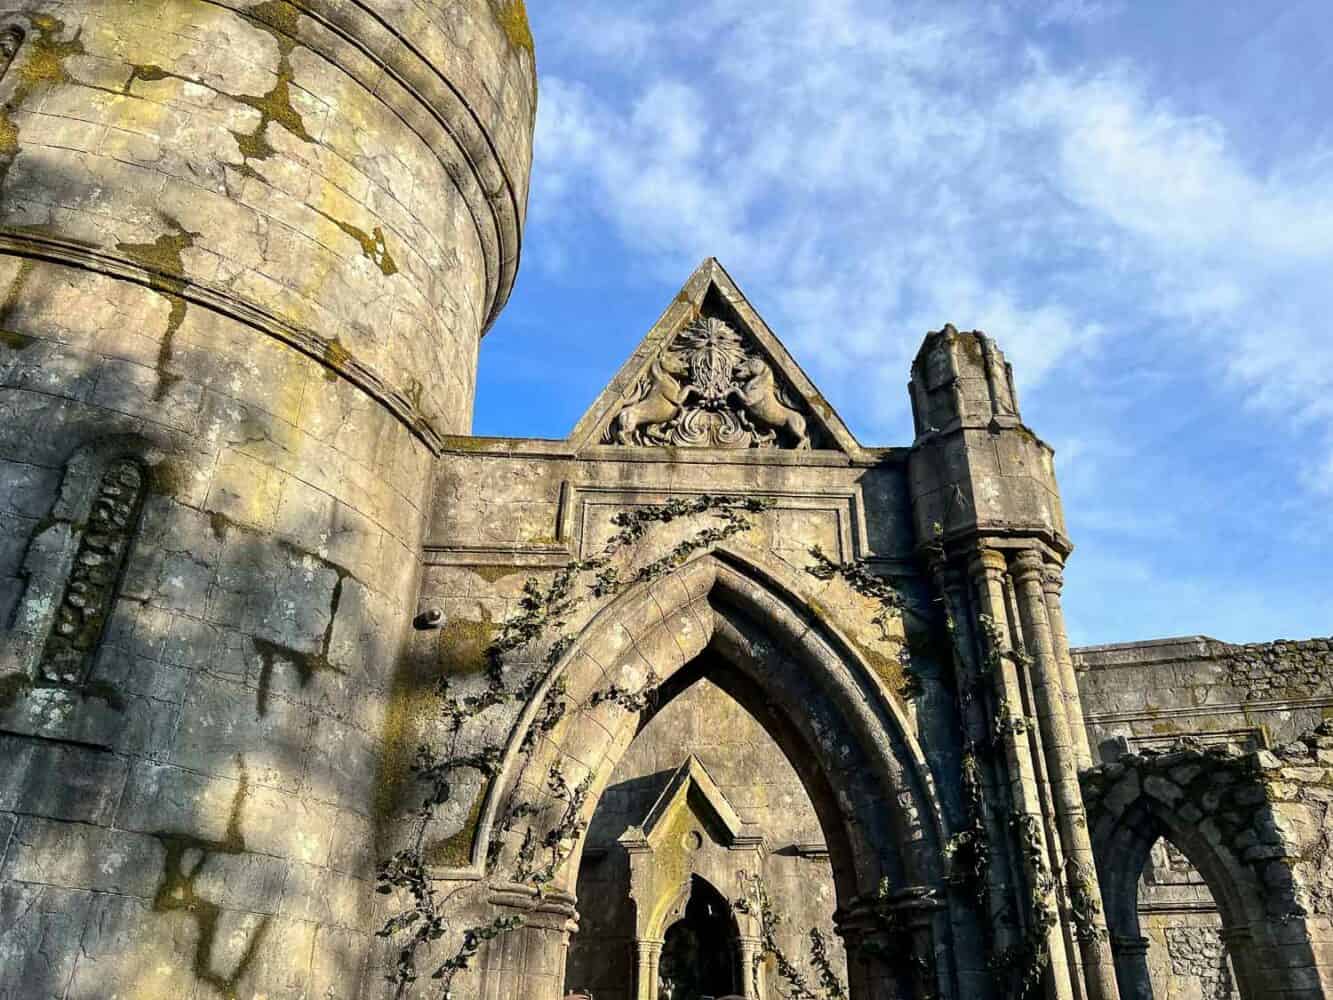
{"x": 689, "y": 788}
{"x": 711, "y": 374}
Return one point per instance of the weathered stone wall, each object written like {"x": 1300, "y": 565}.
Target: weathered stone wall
{"x": 756, "y": 779}
{"x": 1150, "y": 693}
{"x": 1187, "y": 955}
{"x": 1256, "y": 824}
{"x": 513, "y": 509}
{"x": 518, "y": 510}
{"x": 248, "y": 249}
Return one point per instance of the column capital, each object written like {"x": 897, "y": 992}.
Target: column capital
{"x": 1053, "y": 578}
{"x": 1028, "y": 564}
{"x": 990, "y": 563}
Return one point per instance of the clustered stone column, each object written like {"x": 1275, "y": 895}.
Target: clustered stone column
{"x": 985, "y": 502}
{"x": 1062, "y": 764}
{"x": 647, "y": 957}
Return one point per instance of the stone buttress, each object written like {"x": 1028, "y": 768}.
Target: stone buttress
{"x": 247, "y": 250}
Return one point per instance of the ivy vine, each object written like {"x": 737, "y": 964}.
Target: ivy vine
{"x": 756, "y": 902}
{"x": 421, "y": 922}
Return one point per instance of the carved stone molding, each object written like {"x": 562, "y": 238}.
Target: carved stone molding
{"x": 709, "y": 389}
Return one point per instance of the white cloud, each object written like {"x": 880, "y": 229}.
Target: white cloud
{"x": 872, "y": 173}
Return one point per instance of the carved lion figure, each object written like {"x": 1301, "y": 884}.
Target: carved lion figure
{"x": 758, "y": 393}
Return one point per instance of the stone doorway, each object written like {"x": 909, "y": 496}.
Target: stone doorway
{"x": 699, "y": 955}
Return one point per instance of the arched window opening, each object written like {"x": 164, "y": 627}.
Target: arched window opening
{"x": 699, "y": 956}
{"x": 94, "y": 576}
{"x": 1182, "y": 934}
{"x": 703, "y": 801}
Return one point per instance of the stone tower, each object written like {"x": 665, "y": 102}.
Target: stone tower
{"x": 247, "y": 251}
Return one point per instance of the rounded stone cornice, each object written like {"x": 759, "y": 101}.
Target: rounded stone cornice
{"x": 35, "y": 246}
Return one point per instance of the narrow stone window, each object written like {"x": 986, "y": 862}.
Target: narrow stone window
{"x": 10, "y": 40}
{"x": 99, "y": 560}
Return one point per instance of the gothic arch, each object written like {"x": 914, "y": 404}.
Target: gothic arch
{"x": 1176, "y": 797}
{"x": 803, "y": 680}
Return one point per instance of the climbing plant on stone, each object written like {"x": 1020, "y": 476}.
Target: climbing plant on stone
{"x": 545, "y": 612}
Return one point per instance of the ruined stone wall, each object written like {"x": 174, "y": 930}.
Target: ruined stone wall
{"x": 1187, "y": 954}
{"x": 246, "y": 253}
{"x": 755, "y": 778}
{"x": 1150, "y": 693}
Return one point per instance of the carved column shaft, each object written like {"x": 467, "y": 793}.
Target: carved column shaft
{"x": 988, "y": 576}
{"x": 1082, "y": 892}
{"x": 647, "y": 959}
{"x": 1053, "y": 584}
{"x": 977, "y": 713}
{"x": 750, "y": 952}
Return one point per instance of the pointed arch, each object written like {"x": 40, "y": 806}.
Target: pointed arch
{"x": 846, "y": 735}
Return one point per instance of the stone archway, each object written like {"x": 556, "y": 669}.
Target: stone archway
{"x": 840, "y": 727}
{"x": 1224, "y": 812}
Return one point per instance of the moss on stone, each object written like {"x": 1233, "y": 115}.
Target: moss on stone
{"x": 276, "y": 14}
{"x": 409, "y": 707}
{"x": 186, "y": 857}
{"x": 170, "y": 478}
{"x": 10, "y": 337}
{"x": 336, "y": 357}
{"x": 373, "y": 244}
{"x": 279, "y": 19}
{"x": 456, "y": 851}
{"x": 164, "y": 258}
{"x": 494, "y": 574}
{"x": 41, "y": 63}
{"x": 464, "y": 646}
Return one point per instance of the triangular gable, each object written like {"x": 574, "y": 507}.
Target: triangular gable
{"x": 711, "y": 374}
{"x": 690, "y": 787}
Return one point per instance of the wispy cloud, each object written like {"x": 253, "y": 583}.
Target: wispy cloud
{"x": 870, "y": 171}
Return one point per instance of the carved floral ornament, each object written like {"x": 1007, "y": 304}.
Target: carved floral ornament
{"x": 708, "y": 390}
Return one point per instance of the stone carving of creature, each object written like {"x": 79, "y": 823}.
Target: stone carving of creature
{"x": 660, "y": 397}
{"x": 758, "y": 394}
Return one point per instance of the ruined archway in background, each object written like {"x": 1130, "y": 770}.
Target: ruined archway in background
{"x": 828, "y": 711}
{"x": 1215, "y": 808}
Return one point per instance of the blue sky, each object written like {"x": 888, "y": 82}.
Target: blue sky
{"x": 1135, "y": 199}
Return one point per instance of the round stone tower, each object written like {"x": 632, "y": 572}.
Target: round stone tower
{"x": 247, "y": 251}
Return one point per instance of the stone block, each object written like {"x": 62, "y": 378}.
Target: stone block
{"x": 233, "y": 730}
{"x": 76, "y": 856}
{"x": 59, "y": 782}
{"x": 37, "y": 924}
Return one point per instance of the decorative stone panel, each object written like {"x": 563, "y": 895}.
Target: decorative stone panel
{"x": 99, "y": 561}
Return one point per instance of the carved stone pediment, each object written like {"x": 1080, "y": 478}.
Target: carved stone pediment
{"x": 708, "y": 388}
{"x": 712, "y": 375}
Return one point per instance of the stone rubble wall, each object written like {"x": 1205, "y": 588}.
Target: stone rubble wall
{"x": 1257, "y": 821}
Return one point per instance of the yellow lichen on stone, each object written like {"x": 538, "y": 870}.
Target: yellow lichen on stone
{"x": 464, "y": 645}
{"x": 512, "y": 16}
